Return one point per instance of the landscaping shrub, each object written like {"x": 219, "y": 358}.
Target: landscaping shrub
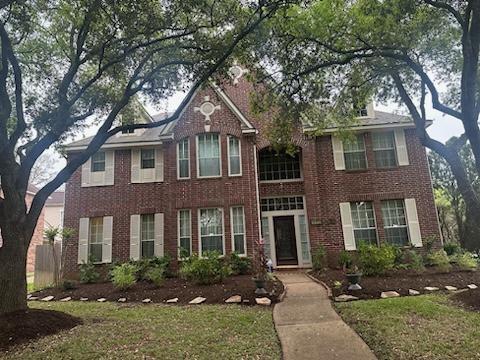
{"x": 452, "y": 249}
{"x": 68, "y": 285}
{"x": 410, "y": 259}
{"x": 144, "y": 265}
{"x": 439, "y": 259}
{"x": 375, "y": 260}
{"x": 466, "y": 261}
{"x": 209, "y": 269}
{"x": 156, "y": 275}
{"x": 123, "y": 276}
{"x": 345, "y": 259}
{"x": 88, "y": 272}
{"x": 319, "y": 258}
{"x": 240, "y": 265}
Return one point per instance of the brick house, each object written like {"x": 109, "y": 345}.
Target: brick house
{"x": 209, "y": 181}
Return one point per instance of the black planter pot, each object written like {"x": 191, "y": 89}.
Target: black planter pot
{"x": 260, "y": 286}
{"x": 354, "y": 279}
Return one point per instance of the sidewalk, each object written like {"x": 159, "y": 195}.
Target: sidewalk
{"x": 309, "y": 328}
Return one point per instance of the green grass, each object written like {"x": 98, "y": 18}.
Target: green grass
{"x": 424, "y": 327}
{"x": 111, "y": 331}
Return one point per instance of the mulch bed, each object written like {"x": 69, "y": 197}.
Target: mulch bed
{"x": 468, "y": 299}
{"x": 21, "y": 326}
{"x": 172, "y": 288}
{"x": 400, "y": 281}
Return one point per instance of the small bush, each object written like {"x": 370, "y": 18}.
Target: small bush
{"x": 156, "y": 275}
{"x": 68, "y": 285}
{"x": 376, "y": 260}
{"x": 345, "y": 259}
{"x": 410, "y": 259}
{"x": 144, "y": 265}
{"x": 319, "y": 258}
{"x": 123, "y": 276}
{"x": 209, "y": 269}
{"x": 240, "y": 265}
{"x": 466, "y": 261}
{"x": 452, "y": 249}
{"x": 88, "y": 272}
{"x": 439, "y": 259}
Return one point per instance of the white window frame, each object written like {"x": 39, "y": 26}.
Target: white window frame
{"x": 200, "y": 229}
{"x": 141, "y": 240}
{"x": 179, "y": 237}
{"x": 239, "y": 155}
{"x": 89, "y": 253}
{"x": 242, "y": 233}
{"x": 352, "y": 203}
{"x": 219, "y": 156}
{"x": 187, "y": 140}
{"x": 154, "y": 158}
{"x": 93, "y": 162}
{"x": 385, "y": 149}
{"x": 345, "y": 152}
{"x": 385, "y": 227}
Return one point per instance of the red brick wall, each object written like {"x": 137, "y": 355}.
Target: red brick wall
{"x": 323, "y": 186}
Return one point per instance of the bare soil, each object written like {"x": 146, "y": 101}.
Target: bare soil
{"x": 21, "y": 326}
{"x": 468, "y": 299}
{"x": 185, "y": 291}
{"x": 400, "y": 281}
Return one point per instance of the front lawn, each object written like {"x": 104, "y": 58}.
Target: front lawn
{"x": 424, "y": 327}
{"x": 112, "y": 331}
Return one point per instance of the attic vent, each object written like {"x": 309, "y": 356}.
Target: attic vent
{"x": 207, "y": 108}
{"x": 236, "y": 72}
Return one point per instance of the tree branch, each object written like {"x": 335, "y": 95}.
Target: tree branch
{"x": 456, "y": 14}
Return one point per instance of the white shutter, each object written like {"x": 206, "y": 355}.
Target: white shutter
{"x": 107, "y": 239}
{"x": 86, "y": 168}
{"x": 109, "y": 167}
{"x": 158, "y": 250}
{"x": 135, "y": 237}
{"x": 413, "y": 223}
{"x": 401, "y": 145}
{"x": 159, "y": 165}
{"x": 135, "y": 168}
{"x": 347, "y": 226}
{"x": 338, "y": 156}
{"x": 83, "y": 240}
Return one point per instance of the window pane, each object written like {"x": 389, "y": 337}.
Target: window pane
{"x": 185, "y": 231}
{"x": 185, "y": 246}
{"x": 234, "y": 155}
{"x": 147, "y": 158}
{"x": 212, "y": 243}
{"x": 278, "y": 166}
{"x": 147, "y": 235}
{"x": 354, "y": 153}
{"x": 304, "y": 238}
{"x": 96, "y": 252}
{"x": 238, "y": 230}
{"x": 209, "y": 155}
{"x": 98, "y": 162}
{"x": 395, "y": 223}
{"x": 384, "y": 149}
{"x": 148, "y": 249}
{"x": 282, "y": 203}
{"x": 266, "y": 237}
{"x": 183, "y": 159}
{"x": 363, "y": 218}
{"x": 239, "y": 243}
{"x": 211, "y": 230}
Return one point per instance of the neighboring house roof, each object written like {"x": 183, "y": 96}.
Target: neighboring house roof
{"x": 56, "y": 199}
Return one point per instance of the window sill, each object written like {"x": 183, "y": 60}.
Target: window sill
{"x": 208, "y": 177}
{"x": 280, "y": 181}
{"x": 356, "y": 171}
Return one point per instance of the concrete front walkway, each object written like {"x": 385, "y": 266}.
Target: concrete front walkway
{"x": 309, "y": 328}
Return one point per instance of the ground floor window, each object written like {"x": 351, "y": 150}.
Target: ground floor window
{"x": 147, "y": 235}
{"x": 266, "y": 237}
{"x": 185, "y": 232}
{"x": 238, "y": 230}
{"x": 395, "y": 222}
{"x": 211, "y": 230}
{"x": 304, "y": 238}
{"x": 95, "y": 239}
{"x": 363, "y": 218}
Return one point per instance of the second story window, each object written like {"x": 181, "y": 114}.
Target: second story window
{"x": 384, "y": 149}
{"x": 208, "y": 155}
{"x": 147, "y": 158}
{"x": 183, "y": 156}
{"x": 98, "y": 162}
{"x": 234, "y": 157}
{"x": 354, "y": 153}
{"x": 279, "y": 166}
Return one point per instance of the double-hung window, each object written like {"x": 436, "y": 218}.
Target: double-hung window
{"x": 147, "y": 235}
{"x": 363, "y": 218}
{"x": 98, "y": 162}
{"x": 183, "y": 154}
{"x": 238, "y": 230}
{"x": 354, "y": 153}
{"x": 395, "y": 222}
{"x": 147, "y": 158}
{"x": 208, "y": 155}
{"x": 95, "y": 239}
{"x": 384, "y": 149}
{"x": 234, "y": 157}
{"x": 211, "y": 230}
{"x": 184, "y": 232}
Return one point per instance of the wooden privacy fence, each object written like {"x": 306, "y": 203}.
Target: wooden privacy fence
{"x": 44, "y": 264}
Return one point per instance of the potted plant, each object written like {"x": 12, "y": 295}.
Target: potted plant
{"x": 353, "y": 275}
{"x": 260, "y": 268}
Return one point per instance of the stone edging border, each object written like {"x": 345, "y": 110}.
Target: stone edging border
{"x": 329, "y": 291}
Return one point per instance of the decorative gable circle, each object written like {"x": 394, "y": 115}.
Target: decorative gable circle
{"x": 236, "y": 72}
{"x": 207, "y": 108}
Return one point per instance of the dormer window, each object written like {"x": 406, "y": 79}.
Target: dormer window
{"x": 98, "y": 162}
{"x": 128, "y": 131}
{"x": 362, "y": 111}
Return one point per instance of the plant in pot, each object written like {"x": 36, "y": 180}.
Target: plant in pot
{"x": 260, "y": 268}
